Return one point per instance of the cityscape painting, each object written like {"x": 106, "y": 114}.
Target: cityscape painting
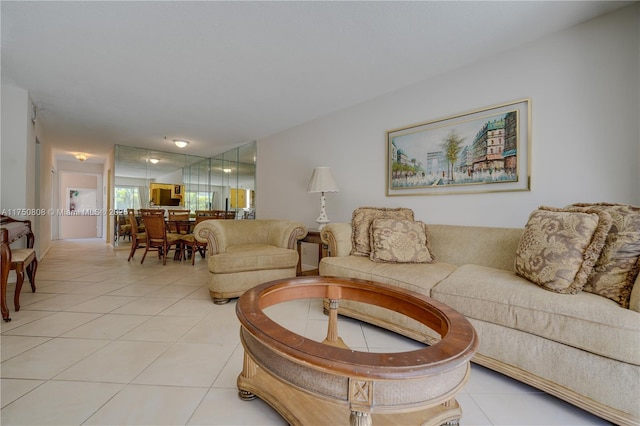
{"x": 485, "y": 150}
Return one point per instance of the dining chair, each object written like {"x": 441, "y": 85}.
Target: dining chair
{"x": 152, "y": 212}
{"x": 190, "y": 240}
{"x": 138, "y": 222}
{"x": 178, "y": 215}
{"x": 123, "y": 228}
{"x": 180, "y": 223}
{"x": 158, "y": 239}
{"x": 206, "y": 214}
{"x": 138, "y": 239}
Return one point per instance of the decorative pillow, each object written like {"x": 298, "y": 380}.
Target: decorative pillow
{"x": 559, "y": 248}
{"x": 361, "y": 223}
{"x": 399, "y": 241}
{"x": 617, "y": 268}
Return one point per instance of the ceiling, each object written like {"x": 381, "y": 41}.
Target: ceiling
{"x": 221, "y": 74}
{"x": 237, "y": 165}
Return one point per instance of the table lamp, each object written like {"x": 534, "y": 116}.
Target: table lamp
{"x": 322, "y": 181}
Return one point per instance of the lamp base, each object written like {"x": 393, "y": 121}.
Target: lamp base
{"x": 322, "y": 220}
{"x": 321, "y": 224}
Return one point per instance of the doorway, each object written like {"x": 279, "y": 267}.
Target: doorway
{"x": 81, "y": 213}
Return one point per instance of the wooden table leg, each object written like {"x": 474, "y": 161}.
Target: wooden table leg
{"x": 5, "y": 255}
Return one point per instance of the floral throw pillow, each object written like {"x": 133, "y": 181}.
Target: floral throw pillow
{"x": 616, "y": 270}
{"x": 559, "y": 248}
{"x": 399, "y": 241}
{"x": 361, "y": 223}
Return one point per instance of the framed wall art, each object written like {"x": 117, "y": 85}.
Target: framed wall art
{"x": 81, "y": 201}
{"x": 486, "y": 150}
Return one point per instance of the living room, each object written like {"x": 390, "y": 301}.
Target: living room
{"x": 583, "y": 84}
{"x": 581, "y": 149}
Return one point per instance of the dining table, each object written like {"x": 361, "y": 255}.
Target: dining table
{"x": 180, "y": 226}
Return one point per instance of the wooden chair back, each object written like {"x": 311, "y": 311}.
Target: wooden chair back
{"x": 155, "y": 229}
{"x": 178, "y": 221}
{"x": 205, "y": 215}
{"x": 122, "y": 226}
{"x": 138, "y": 238}
{"x": 134, "y": 223}
{"x": 179, "y": 214}
{"x": 152, "y": 212}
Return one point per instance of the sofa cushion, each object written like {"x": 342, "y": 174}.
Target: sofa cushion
{"x": 559, "y": 248}
{"x": 419, "y": 277}
{"x": 361, "y": 220}
{"x": 617, "y": 268}
{"x": 584, "y": 320}
{"x": 252, "y": 257}
{"x": 399, "y": 241}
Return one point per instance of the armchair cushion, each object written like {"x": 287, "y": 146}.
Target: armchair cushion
{"x": 252, "y": 257}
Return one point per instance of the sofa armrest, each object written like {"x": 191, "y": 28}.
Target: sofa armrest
{"x": 634, "y": 300}
{"x": 285, "y": 233}
{"x": 210, "y": 232}
{"x": 337, "y": 236}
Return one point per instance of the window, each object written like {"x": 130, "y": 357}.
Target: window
{"x": 127, "y": 197}
{"x": 198, "y": 200}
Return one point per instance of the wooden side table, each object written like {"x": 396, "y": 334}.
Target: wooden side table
{"x": 313, "y": 237}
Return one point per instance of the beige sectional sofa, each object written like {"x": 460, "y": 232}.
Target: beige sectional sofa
{"x": 583, "y": 348}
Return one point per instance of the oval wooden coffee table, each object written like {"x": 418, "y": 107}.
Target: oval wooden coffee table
{"x": 314, "y": 383}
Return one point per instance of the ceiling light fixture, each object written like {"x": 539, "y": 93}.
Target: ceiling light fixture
{"x": 153, "y": 160}
{"x": 180, "y": 143}
{"x": 81, "y": 156}
{"x": 226, "y": 170}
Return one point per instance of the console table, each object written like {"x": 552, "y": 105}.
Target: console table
{"x": 310, "y": 382}
{"x": 10, "y": 230}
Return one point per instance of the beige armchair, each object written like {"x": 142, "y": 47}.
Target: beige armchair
{"x": 245, "y": 253}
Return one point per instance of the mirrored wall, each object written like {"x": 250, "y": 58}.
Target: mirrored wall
{"x": 147, "y": 178}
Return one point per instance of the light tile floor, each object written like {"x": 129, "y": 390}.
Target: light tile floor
{"x": 104, "y": 341}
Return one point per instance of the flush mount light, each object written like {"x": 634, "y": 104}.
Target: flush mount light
{"x": 81, "y": 156}
{"x": 153, "y": 160}
{"x": 226, "y": 170}
{"x": 180, "y": 143}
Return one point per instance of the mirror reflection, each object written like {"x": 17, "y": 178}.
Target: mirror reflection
{"x": 154, "y": 179}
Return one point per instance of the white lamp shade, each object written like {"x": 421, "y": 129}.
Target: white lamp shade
{"x": 322, "y": 181}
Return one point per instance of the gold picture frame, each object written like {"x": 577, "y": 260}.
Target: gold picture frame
{"x": 485, "y": 150}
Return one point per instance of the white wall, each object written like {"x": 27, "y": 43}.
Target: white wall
{"x": 18, "y": 151}
{"x": 174, "y": 178}
{"x": 45, "y": 193}
{"x": 584, "y": 84}
{"x": 17, "y": 155}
